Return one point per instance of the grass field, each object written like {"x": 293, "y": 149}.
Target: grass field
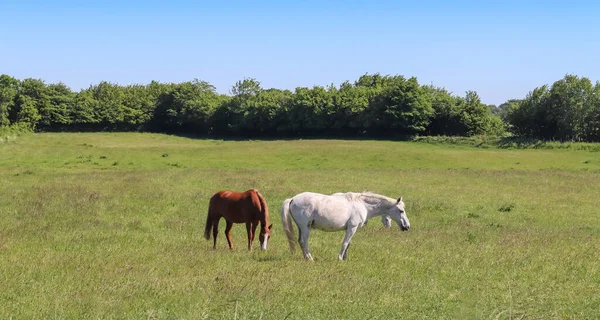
{"x": 110, "y": 226}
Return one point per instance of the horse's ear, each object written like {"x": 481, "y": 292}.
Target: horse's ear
{"x": 399, "y": 199}
{"x": 270, "y": 226}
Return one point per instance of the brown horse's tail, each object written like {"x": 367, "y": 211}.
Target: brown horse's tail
{"x": 209, "y": 224}
{"x": 286, "y": 220}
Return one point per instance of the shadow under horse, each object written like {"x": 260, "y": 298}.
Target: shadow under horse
{"x": 247, "y": 207}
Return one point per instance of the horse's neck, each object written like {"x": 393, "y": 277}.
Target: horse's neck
{"x": 375, "y": 206}
{"x": 264, "y": 221}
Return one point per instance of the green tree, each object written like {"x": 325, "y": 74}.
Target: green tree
{"x": 195, "y": 102}
{"x": 233, "y": 115}
{"x": 246, "y": 88}
{"x": 475, "y": 115}
{"x": 26, "y": 111}
{"x": 31, "y": 101}
{"x": 309, "y": 110}
{"x": 54, "y": 110}
{"x": 529, "y": 117}
{"x": 263, "y": 112}
{"x": 349, "y": 104}
{"x": 110, "y": 109}
{"x": 566, "y": 111}
{"x": 570, "y": 102}
{"x": 82, "y": 113}
{"x": 9, "y": 87}
{"x": 446, "y": 117}
{"x": 401, "y": 107}
{"x": 592, "y": 131}
{"x": 138, "y": 106}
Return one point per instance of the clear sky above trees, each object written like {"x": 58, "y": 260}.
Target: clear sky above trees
{"x": 500, "y": 49}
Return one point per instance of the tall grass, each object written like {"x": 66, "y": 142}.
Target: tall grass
{"x": 10, "y": 133}
{"x": 483, "y": 141}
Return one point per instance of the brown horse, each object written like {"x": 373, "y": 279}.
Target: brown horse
{"x": 239, "y": 207}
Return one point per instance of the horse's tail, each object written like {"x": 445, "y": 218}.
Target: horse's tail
{"x": 209, "y": 224}
{"x": 286, "y": 220}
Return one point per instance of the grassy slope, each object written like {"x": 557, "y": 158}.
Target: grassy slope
{"x": 110, "y": 225}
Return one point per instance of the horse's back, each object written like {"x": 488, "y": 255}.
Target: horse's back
{"x": 230, "y": 195}
{"x": 221, "y": 200}
{"x": 227, "y": 195}
{"x": 308, "y": 200}
{"x": 324, "y": 212}
{"x": 234, "y": 206}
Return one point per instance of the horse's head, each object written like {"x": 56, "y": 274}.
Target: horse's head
{"x": 264, "y": 236}
{"x": 398, "y": 214}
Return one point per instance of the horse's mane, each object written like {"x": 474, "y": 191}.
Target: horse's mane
{"x": 370, "y": 194}
{"x": 355, "y": 196}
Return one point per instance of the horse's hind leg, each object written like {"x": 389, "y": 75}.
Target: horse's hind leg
{"x": 215, "y": 230}
{"x": 303, "y": 233}
{"x": 228, "y": 233}
{"x": 350, "y": 231}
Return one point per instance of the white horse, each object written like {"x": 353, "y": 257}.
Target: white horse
{"x": 336, "y": 212}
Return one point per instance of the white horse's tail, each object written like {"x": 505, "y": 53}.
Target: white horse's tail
{"x": 286, "y": 221}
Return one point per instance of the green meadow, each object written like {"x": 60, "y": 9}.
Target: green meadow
{"x": 110, "y": 226}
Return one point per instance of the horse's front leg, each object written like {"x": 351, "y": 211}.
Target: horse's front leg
{"x": 249, "y": 227}
{"x": 254, "y": 226}
{"x": 350, "y": 231}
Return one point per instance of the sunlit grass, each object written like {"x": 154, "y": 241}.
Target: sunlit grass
{"x": 495, "y": 233}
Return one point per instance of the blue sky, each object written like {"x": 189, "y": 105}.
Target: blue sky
{"x": 501, "y": 49}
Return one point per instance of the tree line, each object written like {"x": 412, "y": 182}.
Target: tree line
{"x": 374, "y": 106}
